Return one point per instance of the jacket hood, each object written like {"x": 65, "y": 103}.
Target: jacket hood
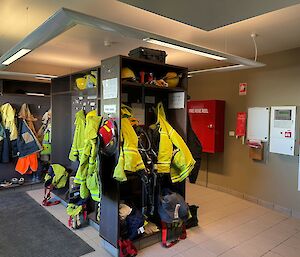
{"x": 8, "y": 113}
{"x": 25, "y": 113}
{"x": 79, "y": 117}
{"x": 126, "y": 111}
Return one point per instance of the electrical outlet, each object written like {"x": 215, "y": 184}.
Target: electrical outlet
{"x": 231, "y": 133}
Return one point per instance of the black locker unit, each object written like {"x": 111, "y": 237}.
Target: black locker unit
{"x": 14, "y": 92}
{"x": 65, "y": 103}
{"x": 64, "y": 107}
{"x": 110, "y": 107}
{"x": 63, "y": 97}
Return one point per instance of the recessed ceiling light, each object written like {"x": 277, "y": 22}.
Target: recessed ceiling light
{"x": 184, "y": 49}
{"x": 220, "y": 69}
{"x": 16, "y": 56}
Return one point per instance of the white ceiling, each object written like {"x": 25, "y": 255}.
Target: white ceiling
{"x": 210, "y": 14}
{"x": 82, "y": 47}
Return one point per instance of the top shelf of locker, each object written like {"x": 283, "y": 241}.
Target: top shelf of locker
{"x": 137, "y": 85}
{"x": 130, "y": 60}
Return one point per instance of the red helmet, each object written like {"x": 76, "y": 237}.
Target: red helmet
{"x": 108, "y": 133}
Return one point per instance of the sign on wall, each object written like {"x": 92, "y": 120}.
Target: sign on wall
{"x": 258, "y": 123}
{"x": 240, "y": 129}
{"x": 243, "y": 88}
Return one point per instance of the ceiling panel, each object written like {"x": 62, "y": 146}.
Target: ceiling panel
{"x": 72, "y": 49}
{"x": 210, "y": 14}
{"x": 83, "y": 47}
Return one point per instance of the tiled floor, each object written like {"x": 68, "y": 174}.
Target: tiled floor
{"x": 228, "y": 227}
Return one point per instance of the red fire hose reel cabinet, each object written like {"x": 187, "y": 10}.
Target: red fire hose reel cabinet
{"x": 207, "y": 120}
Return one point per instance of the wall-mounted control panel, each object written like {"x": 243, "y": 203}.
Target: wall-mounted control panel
{"x": 283, "y": 130}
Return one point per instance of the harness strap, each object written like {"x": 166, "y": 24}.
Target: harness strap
{"x": 164, "y": 230}
{"x": 127, "y": 248}
{"x": 47, "y": 197}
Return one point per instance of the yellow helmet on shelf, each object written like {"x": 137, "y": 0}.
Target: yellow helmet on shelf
{"x": 127, "y": 73}
{"x": 172, "y": 79}
{"x": 80, "y": 83}
{"x": 88, "y": 81}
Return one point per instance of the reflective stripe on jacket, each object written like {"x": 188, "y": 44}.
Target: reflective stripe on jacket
{"x": 78, "y": 139}
{"x": 174, "y": 155}
{"x": 130, "y": 158}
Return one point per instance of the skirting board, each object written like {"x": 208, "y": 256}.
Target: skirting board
{"x": 217, "y": 187}
{"x": 236, "y": 193}
{"x": 250, "y": 198}
{"x": 109, "y": 248}
{"x": 296, "y": 214}
{"x": 201, "y": 183}
{"x": 266, "y": 204}
{"x": 283, "y": 209}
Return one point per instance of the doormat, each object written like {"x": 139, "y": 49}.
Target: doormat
{"x": 28, "y": 230}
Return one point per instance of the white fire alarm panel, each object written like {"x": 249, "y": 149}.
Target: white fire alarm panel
{"x": 283, "y": 129}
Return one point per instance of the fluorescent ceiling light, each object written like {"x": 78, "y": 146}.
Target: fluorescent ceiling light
{"x": 35, "y": 94}
{"x": 16, "y": 56}
{"x": 44, "y": 77}
{"x": 184, "y": 49}
{"x": 26, "y": 75}
{"x": 220, "y": 69}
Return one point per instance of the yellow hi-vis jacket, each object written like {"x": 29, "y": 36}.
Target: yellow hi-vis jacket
{"x": 130, "y": 158}
{"x": 174, "y": 157}
{"x": 8, "y": 120}
{"x": 87, "y": 173}
{"x": 78, "y": 139}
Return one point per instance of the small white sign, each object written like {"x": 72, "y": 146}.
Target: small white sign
{"x": 198, "y": 110}
{"x": 176, "y": 100}
{"x": 110, "y": 88}
{"x": 92, "y": 97}
{"x": 149, "y": 99}
{"x": 243, "y": 88}
{"x": 110, "y": 108}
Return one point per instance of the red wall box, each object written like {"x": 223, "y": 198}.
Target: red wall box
{"x": 207, "y": 119}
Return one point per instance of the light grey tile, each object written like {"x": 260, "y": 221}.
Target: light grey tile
{"x": 286, "y": 251}
{"x": 218, "y": 245}
{"x": 293, "y": 242}
{"x": 183, "y": 245}
{"x": 271, "y": 254}
{"x": 156, "y": 250}
{"x": 233, "y": 253}
{"x": 197, "y": 251}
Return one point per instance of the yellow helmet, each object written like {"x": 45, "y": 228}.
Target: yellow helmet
{"x": 172, "y": 79}
{"x": 127, "y": 73}
{"x": 80, "y": 83}
{"x": 88, "y": 81}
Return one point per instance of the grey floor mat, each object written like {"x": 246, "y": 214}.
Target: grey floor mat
{"x": 27, "y": 230}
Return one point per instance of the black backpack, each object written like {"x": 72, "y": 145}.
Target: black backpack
{"x": 193, "y": 221}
